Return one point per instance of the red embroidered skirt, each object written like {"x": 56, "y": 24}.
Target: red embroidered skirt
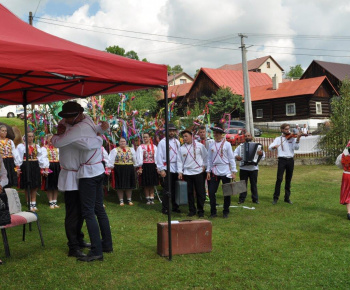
{"x": 345, "y": 189}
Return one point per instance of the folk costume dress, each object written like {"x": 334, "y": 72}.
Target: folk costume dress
{"x": 37, "y": 164}
{"x": 146, "y": 157}
{"x": 123, "y": 161}
{"x": 52, "y": 154}
{"x": 9, "y": 154}
{"x": 345, "y": 183}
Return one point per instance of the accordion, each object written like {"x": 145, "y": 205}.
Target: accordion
{"x": 249, "y": 153}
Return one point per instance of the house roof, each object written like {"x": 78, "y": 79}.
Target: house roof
{"x": 289, "y": 89}
{"x": 234, "y": 79}
{"x": 340, "y": 70}
{"x": 171, "y": 77}
{"x": 176, "y": 91}
{"x": 253, "y": 64}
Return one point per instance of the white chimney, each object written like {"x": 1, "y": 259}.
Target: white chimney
{"x": 274, "y": 82}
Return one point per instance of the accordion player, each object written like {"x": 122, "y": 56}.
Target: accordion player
{"x": 249, "y": 153}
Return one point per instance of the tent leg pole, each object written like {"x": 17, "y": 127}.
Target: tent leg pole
{"x": 26, "y": 182}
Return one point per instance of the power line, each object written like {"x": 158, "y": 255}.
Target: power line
{"x": 37, "y": 8}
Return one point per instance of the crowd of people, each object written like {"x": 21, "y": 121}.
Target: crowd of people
{"x": 74, "y": 161}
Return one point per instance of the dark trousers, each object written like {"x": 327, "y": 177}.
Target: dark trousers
{"x": 253, "y": 179}
{"x": 73, "y": 221}
{"x": 287, "y": 165}
{"x": 197, "y": 182}
{"x": 91, "y": 196}
{"x": 165, "y": 201}
{"x": 213, "y": 187}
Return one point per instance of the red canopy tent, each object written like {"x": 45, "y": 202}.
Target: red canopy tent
{"x": 49, "y": 68}
{"x": 36, "y": 67}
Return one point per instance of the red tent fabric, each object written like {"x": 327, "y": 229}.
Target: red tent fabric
{"x": 49, "y": 68}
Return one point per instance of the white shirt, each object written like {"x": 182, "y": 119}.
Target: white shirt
{"x": 252, "y": 167}
{"x": 174, "y": 146}
{"x": 104, "y": 155}
{"x": 208, "y": 142}
{"x": 287, "y": 148}
{"x": 186, "y": 163}
{"x": 90, "y": 157}
{"x": 304, "y": 130}
{"x": 221, "y": 163}
{"x": 3, "y": 174}
{"x": 21, "y": 148}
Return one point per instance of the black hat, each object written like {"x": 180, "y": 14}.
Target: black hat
{"x": 217, "y": 128}
{"x": 70, "y": 109}
{"x": 171, "y": 127}
{"x": 187, "y": 130}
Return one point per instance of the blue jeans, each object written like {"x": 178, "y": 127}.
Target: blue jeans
{"x": 91, "y": 198}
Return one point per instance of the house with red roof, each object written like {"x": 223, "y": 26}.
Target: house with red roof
{"x": 265, "y": 64}
{"x": 300, "y": 101}
{"x": 209, "y": 80}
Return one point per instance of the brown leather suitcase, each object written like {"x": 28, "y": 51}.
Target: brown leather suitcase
{"x": 187, "y": 237}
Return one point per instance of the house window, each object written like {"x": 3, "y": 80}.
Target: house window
{"x": 290, "y": 109}
{"x": 318, "y": 108}
{"x": 182, "y": 81}
{"x": 268, "y": 64}
{"x": 259, "y": 113}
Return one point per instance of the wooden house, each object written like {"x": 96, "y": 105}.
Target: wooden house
{"x": 335, "y": 72}
{"x": 296, "y": 100}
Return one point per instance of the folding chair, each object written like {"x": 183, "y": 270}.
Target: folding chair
{"x": 18, "y": 217}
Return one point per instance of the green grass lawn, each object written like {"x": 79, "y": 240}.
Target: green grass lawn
{"x": 304, "y": 245}
{"x": 14, "y": 122}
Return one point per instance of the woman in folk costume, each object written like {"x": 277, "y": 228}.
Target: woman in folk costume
{"x": 51, "y": 155}
{"x": 345, "y": 183}
{"x": 9, "y": 154}
{"x": 123, "y": 160}
{"x": 37, "y": 168}
{"x": 146, "y": 153}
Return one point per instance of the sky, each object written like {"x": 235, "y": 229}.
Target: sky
{"x": 200, "y": 33}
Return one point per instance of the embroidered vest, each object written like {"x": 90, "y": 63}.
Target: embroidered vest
{"x": 52, "y": 153}
{"x": 124, "y": 156}
{"x": 148, "y": 153}
{"x": 33, "y": 153}
{"x": 5, "y": 148}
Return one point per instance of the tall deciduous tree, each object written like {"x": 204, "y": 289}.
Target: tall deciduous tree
{"x": 295, "y": 71}
{"x": 224, "y": 101}
{"x": 175, "y": 69}
{"x": 121, "y": 51}
{"x": 337, "y": 131}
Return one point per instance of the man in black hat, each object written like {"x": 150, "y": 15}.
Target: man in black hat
{"x": 90, "y": 173}
{"x": 191, "y": 160}
{"x": 174, "y": 146}
{"x": 221, "y": 166}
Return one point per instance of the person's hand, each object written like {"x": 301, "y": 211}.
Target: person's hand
{"x": 104, "y": 125}
{"x": 208, "y": 175}
{"x": 234, "y": 175}
{"x": 238, "y": 158}
{"x": 18, "y": 171}
{"x": 180, "y": 176}
{"x": 61, "y": 129}
{"x": 259, "y": 153}
{"x": 139, "y": 171}
{"x": 163, "y": 173}
{"x": 1, "y": 189}
{"x": 107, "y": 171}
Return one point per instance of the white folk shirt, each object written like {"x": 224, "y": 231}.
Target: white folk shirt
{"x": 105, "y": 156}
{"x": 207, "y": 143}
{"x": 90, "y": 158}
{"x": 221, "y": 163}
{"x": 189, "y": 163}
{"x": 21, "y": 148}
{"x": 174, "y": 146}
{"x": 287, "y": 148}
{"x": 238, "y": 152}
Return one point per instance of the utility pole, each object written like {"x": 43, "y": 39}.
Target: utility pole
{"x": 248, "y": 112}
{"x": 30, "y": 18}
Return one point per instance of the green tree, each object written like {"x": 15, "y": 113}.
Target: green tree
{"x": 197, "y": 72}
{"x": 337, "y": 131}
{"x": 295, "y": 71}
{"x": 116, "y": 50}
{"x": 224, "y": 101}
{"x": 175, "y": 69}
